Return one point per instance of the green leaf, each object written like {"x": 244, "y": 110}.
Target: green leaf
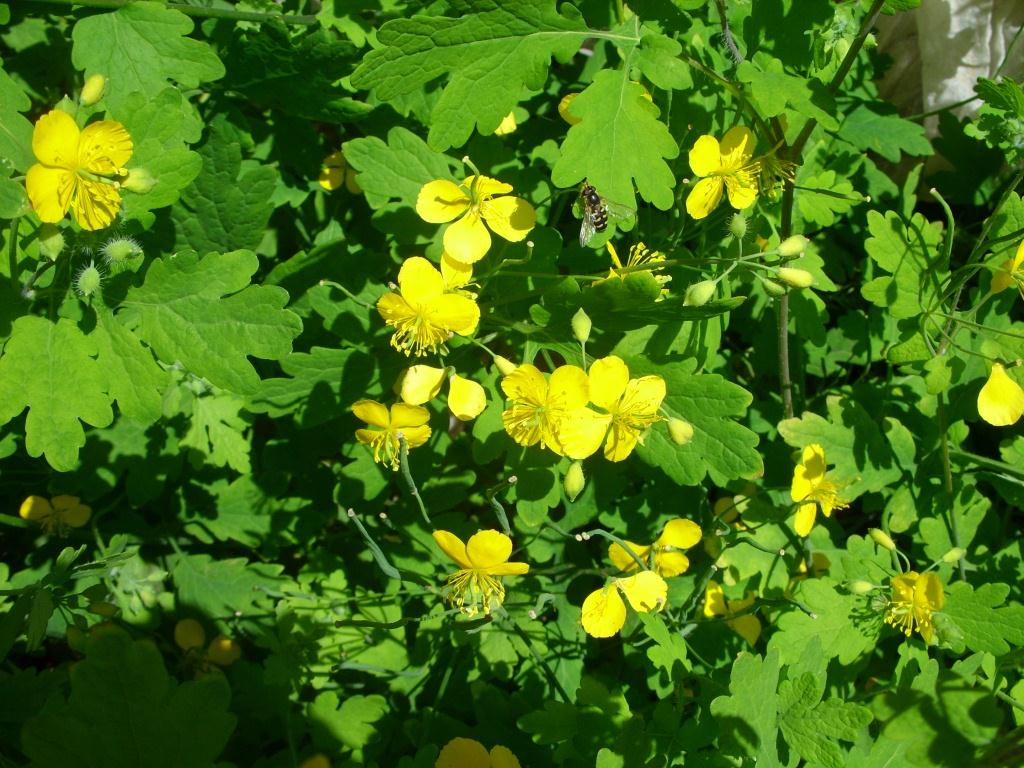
{"x": 1002, "y": 94}
{"x": 139, "y": 48}
{"x": 821, "y": 198}
{"x": 221, "y": 587}
{"x": 298, "y": 76}
{"x": 348, "y": 725}
{"x": 51, "y": 369}
{"x": 909, "y": 252}
{"x": 224, "y": 209}
{"x": 396, "y": 170}
{"x": 987, "y": 624}
{"x": 13, "y": 199}
{"x": 489, "y": 58}
{"x": 244, "y": 513}
{"x": 747, "y": 718}
{"x": 721, "y": 447}
{"x": 776, "y": 91}
{"x": 217, "y": 431}
{"x": 203, "y": 314}
{"x": 15, "y": 129}
{"x": 889, "y": 135}
{"x": 838, "y": 624}
{"x": 812, "y": 726}
{"x": 657, "y": 57}
{"x": 134, "y": 378}
{"x": 125, "y": 711}
{"x": 619, "y": 141}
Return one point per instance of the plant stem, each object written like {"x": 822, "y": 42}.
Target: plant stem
{"x": 197, "y": 12}
{"x": 947, "y": 480}
{"x": 12, "y": 248}
{"x": 403, "y": 448}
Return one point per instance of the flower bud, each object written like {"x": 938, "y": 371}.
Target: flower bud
{"x": 792, "y": 246}
{"x": 772, "y": 288}
{"x": 121, "y": 254}
{"x": 680, "y": 430}
{"x": 139, "y": 181}
{"x": 581, "y": 326}
{"x": 51, "y": 241}
{"x": 93, "y": 90}
{"x": 738, "y": 225}
{"x": 88, "y": 281}
{"x": 699, "y": 294}
{"x": 798, "y": 278}
{"x": 574, "y": 480}
{"x": 955, "y": 555}
{"x": 504, "y": 365}
{"x": 860, "y": 587}
{"x": 882, "y": 539}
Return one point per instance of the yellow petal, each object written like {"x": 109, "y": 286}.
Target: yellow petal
{"x": 525, "y": 383}
{"x": 509, "y": 569}
{"x": 804, "y": 521}
{"x": 507, "y": 125}
{"x": 714, "y": 600}
{"x": 463, "y": 753}
{"x": 608, "y": 378}
{"x": 813, "y": 461}
{"x": 455, "y": 273}
{"x": 71, "y": 510}
{"x": 35, "y": 508}
{"x": 486, "y": 549}
{"x": 95, "y": 205}
{"x": 467, "y": 240}
{"x": 404, "y": 416}
{"x": 1001, "y": 400}
{"x": 578, "y": 432}
{"x": 372, "y": 413}
{"x": 737, "y": 148}
{"x": 509, "y": 217}
{"x": 452, "y": 546}
{"x": 929, "y": 588}
{"x": 502, "y": 757}
{"x": 486, "y": 186}
{"x": 394, "y": 309}
{"x": 416, "y": 436}
{"x": 331, "y": 178}
{"x": 104, "y": 147}
{"x": 646, "y": 591}
{"x": 669, "y": 564}
{"x": 604, "y": 613}
{"x": 643, "y": 396}
{"x": 50, "y": 190}
{"x": 621, "y": 559}
{"x": 705, "y": 157}
{"x": 440, "y": 201}
{"x": 569, "y": 387}
{"x": 741, "y": 195}
{"x": 420, "y": 384}
{"x": 747, "y": 626}
{"x": 622, "y": 439}
{"x": 466, "y": 398}
{"x": 420, "y": 281}
{"x": 458, "y": 313}
{"x": 679, "y": 533}
{"x": 704, "y": 197}
{"x": 55, "y": 139}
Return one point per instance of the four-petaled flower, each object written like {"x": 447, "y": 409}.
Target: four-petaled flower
{"x": 423, "y": 315}
{"x": 1009, "y": 272}
{"x": 470, "y": 753}
{"x": 725, "y": 166}
{"x": 604, "y": 611}
{"x": 420, "y": 384}
{"x": 811, "y": 489}
{"x": 746, "y": 625}
{"x": 475, "y": 587}
{"x": 914, "y": 597}
{"x": 56, "y": 514}
{"x": 385, "y": 426}
{"x": 336, "y": 172}
{"x": 477, "y": 200}
{"x": 77, "y": 169}
{"x": 630, "y": 405}
{"x": 677, "y": 535}
{"x": 1001, "y": 400}
{"x": 641, "y": 259}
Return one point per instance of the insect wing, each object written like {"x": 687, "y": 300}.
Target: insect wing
{"x": 587, "y": 229}
{"x": 618, "y": 211}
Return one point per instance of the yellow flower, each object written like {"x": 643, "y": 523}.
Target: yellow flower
{"x": 470, "y": 753}
{"x": 639, "y": 255}
{"x": 319, "y": 760}
{"x": 630, "y": 405}
{"x": 604, "y": 612}
{"x": 812, "y": 489}
{"x": 1001, "y": 400}
{"x": 337, "y": 172}
{"x": 77, "y": 169}
{"x": 1009, "y": 272}
{"x": 914, "y": 597}
{"x": 669, "y": 560}
{"x": 420, "y": 384}
{"x": 724, "y": 166}
{"x": 475, "y": 587}
{"x": 409, "y": 420}
{"x": 477, "y": 200}
{"x": 423, "y": 314}
{"x": 542, "y": 409}
{"x": 747, "y": 626}
{"x": 57, "y": 514}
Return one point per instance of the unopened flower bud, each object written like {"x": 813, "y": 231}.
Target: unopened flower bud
{"x": 121, "y": 254}
{"x": 505, "y": 366}
{"x": 772, "y": 288}
{"x": 93, "y": 90}
{"x": 792, "y": 246}
{"x": 88, "y": 281}
{"x": 860, "y": 587}
{"x": 882, "y": 539}
{"x": 798, "y": 278}
{"x": 738, "y": 225}
{"x": 680, "y": 430}
{"x": 955, "y": 555}
{"x": 51, "y": 241}
{"x": 699, "y": 294}
{"x": 574, "y": 480}
{"x": 139, "y": 181}
{"x": 581, "y": 326}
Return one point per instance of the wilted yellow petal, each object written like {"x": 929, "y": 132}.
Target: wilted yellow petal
{"x": 1001, "y": 400}
{"x": 603, "y": 613}
{"x": 466, "y": 398}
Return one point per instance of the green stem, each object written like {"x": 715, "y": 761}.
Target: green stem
{"x": 403, "y": 449}
{"x": 347, "y": 292}
{"x": 191, "y": 10}
{"x": 986, "y": 463}
{"x": 12, "y": 248}
{"x": 378, "y": 554}
{"x": 947, "y": 480}
{"x": 499, "y": 511}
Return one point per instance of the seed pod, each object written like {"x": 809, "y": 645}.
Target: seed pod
{"x": 772, "y": 288}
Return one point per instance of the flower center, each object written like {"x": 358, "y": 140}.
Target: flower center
{"x": 473, "y": 590}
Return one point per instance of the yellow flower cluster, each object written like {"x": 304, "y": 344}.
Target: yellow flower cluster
{"x": 553, "y": 410}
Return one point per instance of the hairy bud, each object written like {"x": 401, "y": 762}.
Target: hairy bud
{"x": 792, "y": 246}
{"x": 699, "y": 294}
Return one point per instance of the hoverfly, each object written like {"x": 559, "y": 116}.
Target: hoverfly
{"x": 598, "y": 211}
